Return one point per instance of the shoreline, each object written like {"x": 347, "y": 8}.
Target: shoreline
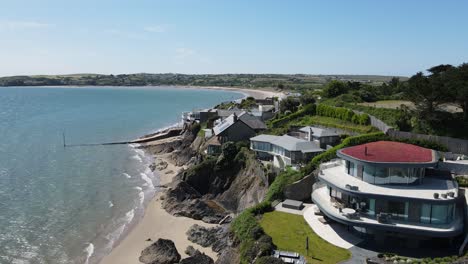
{"x": 260, "y": 93}
{"x": 156, "y": 223}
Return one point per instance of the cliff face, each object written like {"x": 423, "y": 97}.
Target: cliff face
{"x": 235, "y": 180}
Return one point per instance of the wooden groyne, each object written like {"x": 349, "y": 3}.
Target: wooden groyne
{"x": 168, "y": 133}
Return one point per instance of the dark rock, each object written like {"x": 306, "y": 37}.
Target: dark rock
{"x": 203, "y": 236}
{"x": 191, "y": 251}
{"x": 183, "y": 200}
{"x": 163, "y": 251}
{"x": 198, "y": 258}
{"x": 229, "y": 255}
{"x": 149, "y": 239}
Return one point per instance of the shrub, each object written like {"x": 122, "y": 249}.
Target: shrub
{"x": 343, "y": 114}
{"x": 306, "y": 110}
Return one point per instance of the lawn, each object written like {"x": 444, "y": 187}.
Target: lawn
{"x": 289, "y": 232}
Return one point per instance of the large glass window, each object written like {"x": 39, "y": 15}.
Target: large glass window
{"x": 263, "y": 146}
{"x": 368, "y": 175}
{"x": 398, "y": 175}
{"x": 381, "y": 175}
{"x": 398, "y": 210}
{"x": 425, "y": 214}
{"x": 351, "y": 168}
{"x": 437, "y": 214}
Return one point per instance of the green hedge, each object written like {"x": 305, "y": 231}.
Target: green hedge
{"x": 343, "y": 114}
{"x": 306, "y": 110}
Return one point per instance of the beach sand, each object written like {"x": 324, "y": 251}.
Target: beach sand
{"x": 157, "y": 223}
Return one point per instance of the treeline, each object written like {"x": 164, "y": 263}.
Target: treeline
{"x": 278, "y": 81}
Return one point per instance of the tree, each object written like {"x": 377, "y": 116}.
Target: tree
{"x": 289, "y": 103}
{"x": 307, "y": 98}
{"x": 428, "y": 92}
{"x": 458, "y": 83}
{"x": 334, "y": 88}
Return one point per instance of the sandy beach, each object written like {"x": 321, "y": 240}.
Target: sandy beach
{"x": 156, "y": 223}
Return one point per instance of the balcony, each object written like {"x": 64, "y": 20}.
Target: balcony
{"x": 336, "y": 211}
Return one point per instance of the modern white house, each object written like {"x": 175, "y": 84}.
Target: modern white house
{"x": 284, "y": 150}
{"x": 390, "y": 190}
{"x": 322, "y": 136}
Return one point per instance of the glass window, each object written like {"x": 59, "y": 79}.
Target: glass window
{"x": 351, "y": 168}
{"x": 398, "y": 209}
{"x": 439, "y": 214}
{"x": 425, "y": 214}
{"x": 371, "y": 207}
{"x": 398, "y": 175}
{"x": 381, "y": 175}
{"x": 368, "y": 175}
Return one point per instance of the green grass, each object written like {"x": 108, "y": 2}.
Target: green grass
{"x": 334, "y": 122}
{"x": 289, "y": 233}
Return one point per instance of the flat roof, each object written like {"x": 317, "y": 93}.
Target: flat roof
{"x": 319, "y": 132}
{"x": 289, "y": 143}
{"x": 339, "y": 178}
{"x": 389, "y": 152}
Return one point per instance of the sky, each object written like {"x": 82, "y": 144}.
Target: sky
{"x": 378, "y": 37}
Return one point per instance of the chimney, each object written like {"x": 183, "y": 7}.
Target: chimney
{"x": 234, "y": 117}
{"x": 310, "y": 133}
{"x": 365, "y": 151}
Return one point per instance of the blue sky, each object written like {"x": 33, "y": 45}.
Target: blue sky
{"x": 393, "y": 37}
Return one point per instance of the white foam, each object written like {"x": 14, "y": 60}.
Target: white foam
{"x": 141, "y": 195}
{"x": 140, "y": 152}
{"x": 111, "y": 204}
{"x": 139, "y": 188}
{"x": 127, "y": 175}
{"x": 134, "y": 145}
{"x": 129, "y": 216}
{"x": 89, "y": 252}
{"x": 148, "y": 181}
{"x": 137, "y": 158}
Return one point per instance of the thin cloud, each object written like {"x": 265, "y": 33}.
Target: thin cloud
{"x": 22, "y": 25}
{"x": 124, "y": 34}
{"x": 156, "y": 29}
{"x": 183, "y": 53}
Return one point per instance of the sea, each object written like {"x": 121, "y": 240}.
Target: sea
{"x": 72, "y": 204}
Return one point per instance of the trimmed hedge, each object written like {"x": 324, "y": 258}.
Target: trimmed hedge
{"x": 343, "y": 114}
{"x": 306, "y": 110}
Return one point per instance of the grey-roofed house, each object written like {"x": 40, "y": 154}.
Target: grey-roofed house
{"x": 284, "y": 150}
{"x": 233, "y": 129}
{"x": 390, "y": 190}
{"x": 253, "y": 121}
{"x": 322, "y": 136}
{"x": 226, "y": 113}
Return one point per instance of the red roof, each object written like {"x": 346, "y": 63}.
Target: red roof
{"x": 389, "y": 151}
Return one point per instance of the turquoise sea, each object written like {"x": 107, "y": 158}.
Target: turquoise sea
{"x": 70, "y": 205}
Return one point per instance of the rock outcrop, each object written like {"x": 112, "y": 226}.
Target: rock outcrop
{"x": 198, "y": 258}
{"x": 215, "y": 237}
{"x": 184, "y": 200}
{"x": 163, "y": 251}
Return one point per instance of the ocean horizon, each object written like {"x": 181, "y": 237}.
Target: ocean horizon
{"x": 71, "y": 205}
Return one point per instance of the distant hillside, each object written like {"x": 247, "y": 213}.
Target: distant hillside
{"x": 287, "y": 81}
